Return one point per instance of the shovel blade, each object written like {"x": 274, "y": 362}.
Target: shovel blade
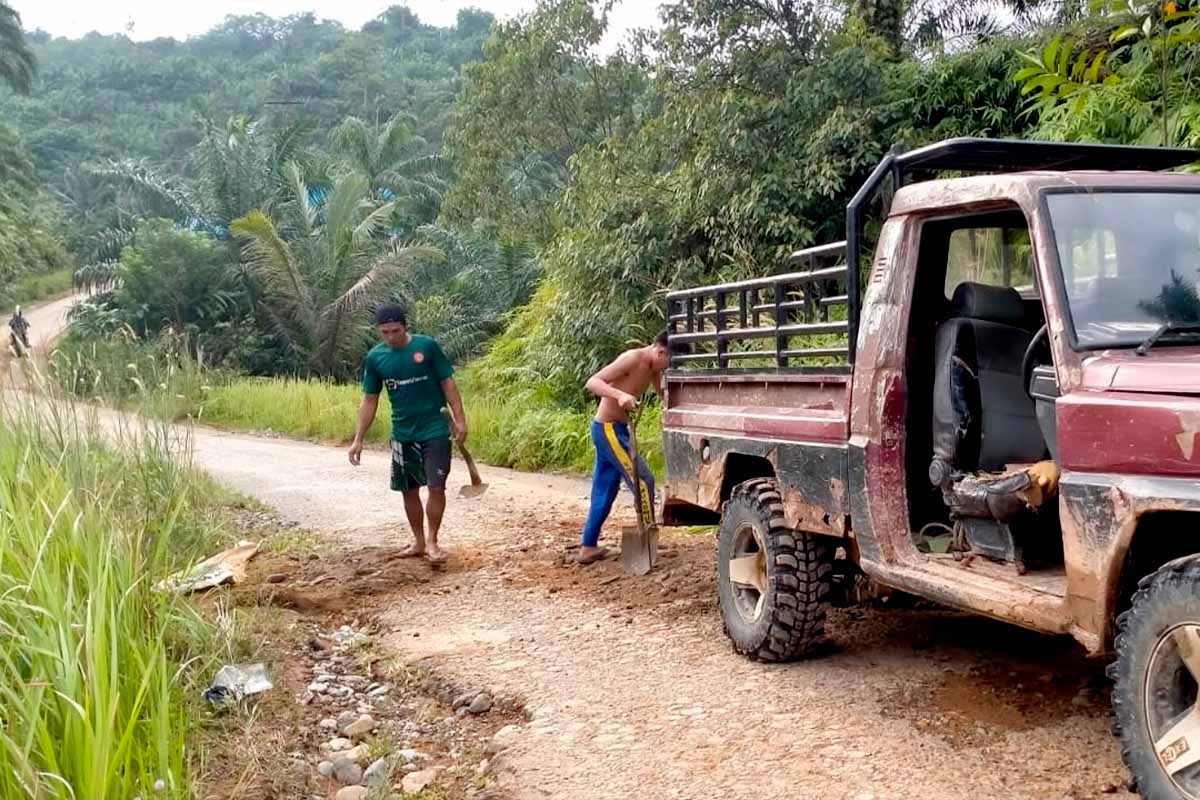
{"x": 639, "y": 549}
{"x": 472, "y": 490}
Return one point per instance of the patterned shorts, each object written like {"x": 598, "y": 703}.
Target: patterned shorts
{"x": 417, "y": 464}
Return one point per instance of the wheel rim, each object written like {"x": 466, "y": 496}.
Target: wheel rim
{"x": 1172, "y": 711}
{"x": 748, "y": 573}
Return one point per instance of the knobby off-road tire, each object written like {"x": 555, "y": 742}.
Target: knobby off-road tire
{"x": 776, "y": 612}
{"x": 1155, "y": 688}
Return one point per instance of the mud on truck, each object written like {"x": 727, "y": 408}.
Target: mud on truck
{"x": 998, "y": 412}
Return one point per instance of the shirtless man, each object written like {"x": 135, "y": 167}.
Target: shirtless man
{"x": 619, "y": 385}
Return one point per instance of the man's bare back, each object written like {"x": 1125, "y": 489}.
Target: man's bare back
{"x": 621, "y": 383}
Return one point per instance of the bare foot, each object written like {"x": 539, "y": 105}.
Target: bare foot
{"x": 588, "y": 555}
{"x": 412, "y": 551}
{"x": 436, "y": 555}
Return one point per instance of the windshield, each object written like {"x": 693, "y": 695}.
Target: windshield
{"x": 1130, "y": 262}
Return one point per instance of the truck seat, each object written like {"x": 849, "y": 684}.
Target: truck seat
{"x": 983, "y": 418}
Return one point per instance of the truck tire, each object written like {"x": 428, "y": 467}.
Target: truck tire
{"x": 1157, "y": 676}
{"x": 772, "y": 583}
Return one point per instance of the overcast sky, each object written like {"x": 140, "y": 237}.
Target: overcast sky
{"x": 154, "y": 18}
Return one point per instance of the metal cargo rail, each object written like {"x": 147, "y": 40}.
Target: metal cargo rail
{"x": 799, "y": 303}
{"x": 723, "y": 326}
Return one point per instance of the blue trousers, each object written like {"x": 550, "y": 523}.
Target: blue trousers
{"x": 613, "y": 465}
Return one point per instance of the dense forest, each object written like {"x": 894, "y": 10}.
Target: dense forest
{"x": 256, "y": 189}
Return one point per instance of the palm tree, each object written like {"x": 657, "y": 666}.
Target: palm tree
{"x": 395, "y": 161}
{"x": 17, "y": 63}
{"x": 464, "y": 298}
{"x": 321, "y": 269}
{"x": 239, "y": 167}
{"x": 240, "y": 164}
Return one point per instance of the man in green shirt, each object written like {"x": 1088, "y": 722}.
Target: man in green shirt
{"x": 420, "y": 383}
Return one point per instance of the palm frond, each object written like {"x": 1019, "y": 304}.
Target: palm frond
{"x": 396, "y": 138}
{"x": 273, "y": 260}
{"x": 306, "y": 212}
{"x": 374, "y": 285}
{"x": 352, "y": 139}
{"x": 343, "y": 205}
{"x": 147, "y": 183}
{"x": 371, "y": 225}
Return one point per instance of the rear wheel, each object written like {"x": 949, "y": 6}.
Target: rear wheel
{"x": 773, "y": 583}
{"x": 1157, "y": 675}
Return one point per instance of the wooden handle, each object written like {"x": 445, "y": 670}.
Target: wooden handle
{"x": 475, "y": 479}
{"x": 637, "y": 476}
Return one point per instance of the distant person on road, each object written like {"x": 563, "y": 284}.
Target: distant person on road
{"x": 19, "y": 327}
{"x": 419, "y": 381}
{"x": 619, "y": 385}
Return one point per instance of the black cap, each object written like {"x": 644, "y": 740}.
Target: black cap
{"x": 390, "y": 313}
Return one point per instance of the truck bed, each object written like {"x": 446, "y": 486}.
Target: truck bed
{"x": 785, "y": 407}
{"x": 760, "y": 387}
{"x": 721, "y": 430}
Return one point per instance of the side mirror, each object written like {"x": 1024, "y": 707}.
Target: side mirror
{"x": 1043, "y": 383}
{"x": 1043, "y": 388}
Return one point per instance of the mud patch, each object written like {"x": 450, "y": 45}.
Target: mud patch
{"x": 683, "y": 581}
{"x": 339, "y": 584}
{"x": 991, "y": 698}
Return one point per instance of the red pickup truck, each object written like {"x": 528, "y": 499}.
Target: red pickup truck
{"x": 998, "y": 412}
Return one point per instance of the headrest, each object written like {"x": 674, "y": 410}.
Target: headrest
{"x": 989, "y": 303}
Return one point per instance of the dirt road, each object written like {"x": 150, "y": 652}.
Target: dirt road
{"x": 629, "y": 686}
{"x": 632, "y": 690}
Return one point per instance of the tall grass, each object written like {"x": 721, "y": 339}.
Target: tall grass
{"x": 95, "y": 664}
{"x": 163, "y": 379}
{"x": 512, "y": 431}
{"x": 29, "y": 288}
{"x": 309, "y": 409}
{"x": 517, "y": 428}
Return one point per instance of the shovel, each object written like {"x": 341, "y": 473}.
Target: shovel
{"x": 477, "y": 486}
{"x": 639, "y": 545}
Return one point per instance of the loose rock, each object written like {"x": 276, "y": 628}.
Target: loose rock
{"x": 325, "y": 769}
{"x": 377, "y": 773}
{"x": 351, "y": 793}
{"x": 328, "y": 724}
{"x": 347, "y": 772}
{"x": 481, "y": 704}
{"x": 463, "y": 699}
{"x": 360, "y": 727}
{"x": 503, "y": 739}
{"x": 416, "y": 781}
{"x": 337, "y": 745}
{"x": 359, "y": 754}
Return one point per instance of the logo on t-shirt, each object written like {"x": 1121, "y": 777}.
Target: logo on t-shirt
{"x": 419, "y": 357}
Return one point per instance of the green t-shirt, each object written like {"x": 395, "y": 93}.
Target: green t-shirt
{"x": 413, "y": 376}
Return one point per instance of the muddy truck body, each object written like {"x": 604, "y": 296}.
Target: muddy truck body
{"x": 998, "y": 411}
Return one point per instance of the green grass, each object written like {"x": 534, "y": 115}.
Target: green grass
{"x": 163, "y": 379}
{"x": 306, "y": 409}
{"x": 31, "y": 288}
{"x": 512, "y": 432}
{"x": 97, "y": 668}
{"x": 516, "y": 429}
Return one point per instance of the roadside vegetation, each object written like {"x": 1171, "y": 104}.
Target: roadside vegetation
{"x": 101, "y": 671}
